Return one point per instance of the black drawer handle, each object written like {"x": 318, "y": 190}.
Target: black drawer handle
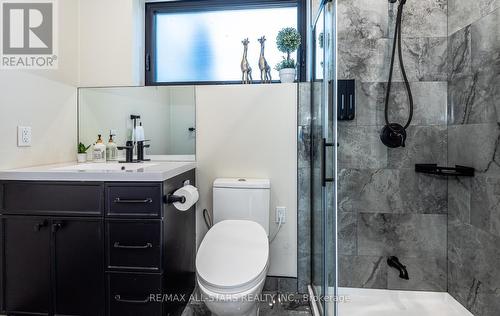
{"x": 40, "y": 225}
{"x": 148, "y": 200}
{"x": 117, "y": 245}
{"x": 57, "y": 226}
{"x": 122, "y": 300}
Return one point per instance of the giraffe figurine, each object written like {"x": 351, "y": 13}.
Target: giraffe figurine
{"x": 246, "y": 70}
{"x": 265, "y": 69}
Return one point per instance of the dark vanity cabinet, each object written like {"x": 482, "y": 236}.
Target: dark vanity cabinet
{"x": 50, "y": 264}
{"x": 28, "y": 266}
{"x": 92, "y": 249}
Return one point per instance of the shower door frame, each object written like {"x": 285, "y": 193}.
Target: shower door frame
{"x": 324, "y": 301}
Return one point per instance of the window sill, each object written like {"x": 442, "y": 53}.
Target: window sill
{"x": 209, "y": 83}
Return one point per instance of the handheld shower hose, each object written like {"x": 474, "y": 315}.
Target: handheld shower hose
{"x": 393, "y": 135}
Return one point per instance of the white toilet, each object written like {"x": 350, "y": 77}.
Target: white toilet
{"x": 233, "y": 258}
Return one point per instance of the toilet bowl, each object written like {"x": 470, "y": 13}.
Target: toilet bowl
{"x": 231, "y": 267}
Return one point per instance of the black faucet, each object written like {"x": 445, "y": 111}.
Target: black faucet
{"x": 395, "y": 263}
{"x": 129, "y": 151}
{"x": 140, "y": 150}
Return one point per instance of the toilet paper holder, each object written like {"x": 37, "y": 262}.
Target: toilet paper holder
{"x": 170, "y": 199}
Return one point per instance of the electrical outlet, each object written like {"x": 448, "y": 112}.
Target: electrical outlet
{"x": 281, "y": 214}
{"x": 23, "y": 136}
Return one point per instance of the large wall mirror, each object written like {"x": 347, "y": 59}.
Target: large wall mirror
{"x": 167, "y": 115}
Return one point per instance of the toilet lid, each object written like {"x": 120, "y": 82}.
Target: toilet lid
{"x": 234, "y": 253}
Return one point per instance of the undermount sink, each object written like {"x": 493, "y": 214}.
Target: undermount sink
{"x": 106, "y": 167}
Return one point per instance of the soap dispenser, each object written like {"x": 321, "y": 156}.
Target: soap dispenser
{"x": 111, "y": 149}
{"x": 99, "y": 153}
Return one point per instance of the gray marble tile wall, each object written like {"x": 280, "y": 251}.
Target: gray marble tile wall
{"x": 474, "y": 138}
{"x": 385, "y": 208}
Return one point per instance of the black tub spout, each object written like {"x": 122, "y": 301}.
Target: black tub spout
{"x": 396, "y": 264}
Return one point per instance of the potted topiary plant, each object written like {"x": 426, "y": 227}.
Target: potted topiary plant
{"x": 82, "y": 153}
{"x": 288, "y": 41}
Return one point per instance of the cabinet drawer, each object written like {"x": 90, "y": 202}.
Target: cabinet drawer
{"x": 53, "y": 198}
{"x": 134, "y": 200}
{"x": 129, "y": 294}
{"x": 133, "y": 245}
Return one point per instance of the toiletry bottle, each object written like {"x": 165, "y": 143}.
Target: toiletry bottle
{"x": 90, "y": 153}
{"x": 99, "y": 153}
{"x": 111, "y": 149}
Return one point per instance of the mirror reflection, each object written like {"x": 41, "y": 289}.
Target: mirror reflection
{"x": 163, "y": 116}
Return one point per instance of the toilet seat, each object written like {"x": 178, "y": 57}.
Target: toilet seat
{"x": 233, "y": 257}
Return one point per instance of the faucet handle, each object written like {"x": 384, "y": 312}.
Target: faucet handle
{"x": 128, "y": 145}
{"x": 142, "y": 143}
{"x": 140, "y": 150}
{"x": 125, "y": 147}
{"x": 129, "y": 154}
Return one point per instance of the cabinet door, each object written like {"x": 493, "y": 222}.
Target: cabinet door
{"x": 78, "y": 266}
{"x": 27, "y": 265}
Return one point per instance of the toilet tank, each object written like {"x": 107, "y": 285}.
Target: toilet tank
{"x": 246, "y": 199}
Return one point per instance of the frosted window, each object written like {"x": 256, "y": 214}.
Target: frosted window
{"x": 206, "y": 46}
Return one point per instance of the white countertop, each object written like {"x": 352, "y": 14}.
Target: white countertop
{"x": 151, "y": 171}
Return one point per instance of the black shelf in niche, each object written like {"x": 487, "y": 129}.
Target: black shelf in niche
{"x": 457, "y": 171}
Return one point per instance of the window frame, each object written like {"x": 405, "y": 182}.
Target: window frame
{"x": 154, "y": 8}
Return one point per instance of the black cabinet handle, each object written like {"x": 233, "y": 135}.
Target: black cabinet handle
{"x": 40, "y": 225}
{"x": 119, "y": 200}
{"x": 118, "y": 298}
{"x": 56, "y": 227}
{"x": 117, "y": 245}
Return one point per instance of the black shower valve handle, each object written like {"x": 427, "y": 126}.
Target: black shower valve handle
{"x": 403, "y": 140}
{"x": 393, "y": 135}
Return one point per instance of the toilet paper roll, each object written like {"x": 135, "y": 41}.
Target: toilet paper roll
{"x": 190, "y": 193}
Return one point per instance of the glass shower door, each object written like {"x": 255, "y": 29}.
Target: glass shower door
{"x": 323, "y": 221}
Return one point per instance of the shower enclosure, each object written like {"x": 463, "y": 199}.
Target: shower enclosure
{"x": 392, "y": 239}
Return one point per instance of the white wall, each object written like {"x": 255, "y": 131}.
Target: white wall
{"x": 111, "y": 43}
{"x": 250, "y": 131}
{"x": 44, "y": 100}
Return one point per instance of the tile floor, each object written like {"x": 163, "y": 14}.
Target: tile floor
{"x": 290, "y": 305}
